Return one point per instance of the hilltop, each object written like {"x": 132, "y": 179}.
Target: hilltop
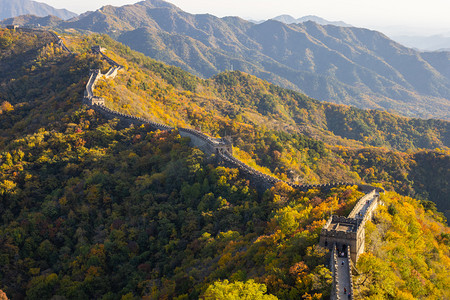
{"x": 91, "y": 208}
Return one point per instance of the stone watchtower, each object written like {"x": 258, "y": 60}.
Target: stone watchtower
{"x": 349, "y": 231}
{"x": 344, "y": 232}
{"x": 225, "y": 144}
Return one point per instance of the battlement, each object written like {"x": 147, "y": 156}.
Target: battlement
{"x": 98, "y": 49}
{"x": 349, "y": 231}
{"x": 94, "y": 101}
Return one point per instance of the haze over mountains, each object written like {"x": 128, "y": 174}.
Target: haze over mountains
{"x": 406, "y": 37}
{"x": 288, "y": 19}
{"x": 438, "y": 42}
{"x": 13, "y": 8}
{"x": 344, "y": 65}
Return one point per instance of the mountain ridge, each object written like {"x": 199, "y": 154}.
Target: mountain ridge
{"x": 288, "y": 19}
{"x": 14, "y": 8}
{"x": 345, "y": 65}
{"x": 350, "y": 63}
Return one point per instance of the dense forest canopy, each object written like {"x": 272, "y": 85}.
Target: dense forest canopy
{"x": 90, "y": 208}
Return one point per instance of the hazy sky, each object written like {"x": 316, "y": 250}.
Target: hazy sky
{"x": 419, "y": 14}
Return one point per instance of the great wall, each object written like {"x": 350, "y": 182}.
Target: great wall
{"x": 344, "y": 236}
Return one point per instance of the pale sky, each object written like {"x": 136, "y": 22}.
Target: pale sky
{"x": 432, "y": 16}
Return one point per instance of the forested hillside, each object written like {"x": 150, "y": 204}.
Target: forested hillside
{"x": 92, "y": 209}
{"x": 345, "y": 65}
{"x": 268, "y": 125}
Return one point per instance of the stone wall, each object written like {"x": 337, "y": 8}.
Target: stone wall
{"x": 129, "y": 119}
{"x": 94, "y": 76}
{"x": 99, "y": 50}
{"x": 333, "y": 269}
{"x": 348, "y": 265}
{"x": 221, "y": 147}
{"x": 355, "y": 238}
{"x": 361, "y": 202}
{"x": 112, "y": 73}
{"x": 60, "y": 42}
{"x": 208, "y": 144}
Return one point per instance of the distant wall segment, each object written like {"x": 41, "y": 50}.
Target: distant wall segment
{"x": 222, "y": 148}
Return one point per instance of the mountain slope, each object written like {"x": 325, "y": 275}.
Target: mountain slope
{"x": 92, "y": 209}
{"x": 13, "y": 8}
{"x": 261, "y": 103}
{"x": 340, "y": 64}
{"x": 267, "y": 124}
{"x": 438, "y": 42}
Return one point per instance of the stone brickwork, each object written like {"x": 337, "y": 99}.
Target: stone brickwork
{"x": 333, "y": 269}
{"x": 349, "y": 231}
{"x": 347, "y": 235}
{"x": 349, "y": 267}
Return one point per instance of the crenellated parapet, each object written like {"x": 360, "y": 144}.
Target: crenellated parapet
{"x": 99, "y": 50}
{"x": 348, "y": 233}
{"x": 208, "y": 144}
{"x": 59, "y": 41}
{"x": 129, "y": 119}
{"x": 349, "y": 271}
{"x": 333, "y": 268}
{"x": 324, "y": 186}
{"x": 94, "y": 76}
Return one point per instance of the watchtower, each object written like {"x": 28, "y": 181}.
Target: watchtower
{"x": 97, "y": 49}
{"x": 343, "y": 232}
{"x": 349, "y": 231}
{"x": 224, "y": 145}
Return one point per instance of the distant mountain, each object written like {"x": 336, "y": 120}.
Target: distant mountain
{"x": 33, "y": 21}
{"x": 13, "y": 8}
{"x": 426, "y": 43}
{"x": 345, "y": 65}
{"x": 287, "y": 19}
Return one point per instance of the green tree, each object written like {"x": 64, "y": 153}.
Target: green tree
{"x": 249, "y": 290}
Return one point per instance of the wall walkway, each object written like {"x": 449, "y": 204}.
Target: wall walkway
{"x": 346, "y": 236}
